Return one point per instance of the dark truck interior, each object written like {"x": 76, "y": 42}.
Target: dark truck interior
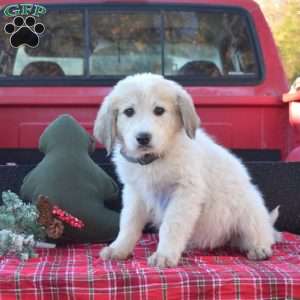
{"x": 278, "y": 180}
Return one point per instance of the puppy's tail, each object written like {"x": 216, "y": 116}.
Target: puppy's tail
{"x": 274, "y": 214}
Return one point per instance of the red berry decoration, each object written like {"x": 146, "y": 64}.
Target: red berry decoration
{"x": 67, "y": 218}
{"x": 52, "y": 217}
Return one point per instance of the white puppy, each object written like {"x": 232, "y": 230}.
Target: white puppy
{"x": 176, "y": 176}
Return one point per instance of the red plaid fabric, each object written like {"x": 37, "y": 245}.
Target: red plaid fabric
{"x": 76, "y": 272}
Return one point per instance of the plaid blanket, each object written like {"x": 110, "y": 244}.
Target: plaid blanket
{"x": 76, "y": 272}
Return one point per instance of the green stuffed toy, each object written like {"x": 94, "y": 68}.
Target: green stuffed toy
{"x": 71, "y": 180}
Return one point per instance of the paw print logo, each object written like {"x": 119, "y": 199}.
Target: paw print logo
{"x": 24, "y": 32}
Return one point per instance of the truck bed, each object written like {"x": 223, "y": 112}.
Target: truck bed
{"x": 77, "y": 272}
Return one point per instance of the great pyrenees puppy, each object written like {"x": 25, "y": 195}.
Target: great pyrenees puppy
{"x": 195, "y": 191}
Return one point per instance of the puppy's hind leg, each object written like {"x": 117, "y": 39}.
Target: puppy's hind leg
{"x": 256, "y": 231}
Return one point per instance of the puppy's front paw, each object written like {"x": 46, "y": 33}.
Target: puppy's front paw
{"x": 259, "y": 253}
{"x": 112, "y": 253}
{"x": 162, "y": 261}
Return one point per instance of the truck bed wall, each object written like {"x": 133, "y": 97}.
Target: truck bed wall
{"x": 278, "y": 181}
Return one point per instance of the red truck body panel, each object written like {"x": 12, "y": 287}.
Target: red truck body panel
{"x": 242, "y": 117}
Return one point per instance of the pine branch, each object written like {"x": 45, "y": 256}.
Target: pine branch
{"x": 19, "y": 229}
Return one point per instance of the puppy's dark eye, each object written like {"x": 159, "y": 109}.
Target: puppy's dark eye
{"x": 158, "y": 110}
{"x": 129, "y": 112}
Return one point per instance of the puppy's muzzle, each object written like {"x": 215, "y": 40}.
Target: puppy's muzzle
{"x": 146, "y": 159}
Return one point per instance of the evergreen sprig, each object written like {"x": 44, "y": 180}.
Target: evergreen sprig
{"x": 19, "y": 229}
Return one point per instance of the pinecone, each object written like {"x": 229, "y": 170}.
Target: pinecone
{"x": 45, "y": 211}
{"x": 55, "y": 229}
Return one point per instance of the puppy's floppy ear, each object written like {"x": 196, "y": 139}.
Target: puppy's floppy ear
{"x": 105, "y": 126}
{"x": 189, "y": 116}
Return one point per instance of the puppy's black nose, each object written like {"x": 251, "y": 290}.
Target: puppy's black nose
{"x": 143, "y": 138}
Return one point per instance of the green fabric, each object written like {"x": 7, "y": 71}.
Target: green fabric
{"x": 70, "y": 178}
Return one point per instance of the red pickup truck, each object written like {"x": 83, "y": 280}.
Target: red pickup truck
{"x": 222, "y": 51}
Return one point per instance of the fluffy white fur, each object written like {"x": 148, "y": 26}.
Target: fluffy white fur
{"x": 196, "y": 192}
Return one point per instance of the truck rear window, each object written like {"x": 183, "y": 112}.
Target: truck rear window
{"x": 210, "y": 45}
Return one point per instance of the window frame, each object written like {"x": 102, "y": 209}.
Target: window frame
{"x": 96, "y": 80}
